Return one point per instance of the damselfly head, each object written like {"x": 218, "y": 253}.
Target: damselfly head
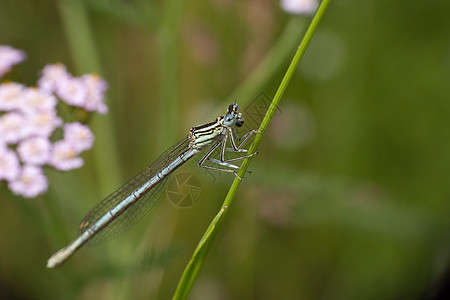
{"x": 234, "y": 116}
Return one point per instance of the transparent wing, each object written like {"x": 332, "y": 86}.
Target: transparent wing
{"x": 141, "y": 207}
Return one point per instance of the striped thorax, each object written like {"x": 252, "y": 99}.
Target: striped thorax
{"x": 203, "y": 135}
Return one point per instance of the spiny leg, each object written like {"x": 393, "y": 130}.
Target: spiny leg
{"x": 207, "y": 157}
{"x": 222, "y": 148}
{"x": 225, "y": 162}
{"x": 244, "y": 139}
{"x": 222, "y": 161}
{"x": 236, "y": 158}
{"x": 232, "y": 133}
{"x": 208, "y": 154}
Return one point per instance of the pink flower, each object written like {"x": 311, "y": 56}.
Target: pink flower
{"x": 37, "y": 100}
{"x": 11, "y": 96}
{"x": 72, "y": 90}
{"x": 51, "y": 75}
{"x": 9, "y": 57}
{"x": 96, "y": 88}
{"x": 64, "y": 156}
{"x": 86, "y": 91}
{"x": 13, "y": 127}
{"x": 43, "y": 123}
{"x": 9, "y": 164}
{"x": 79, "y": 135}
{"x": 30, "y": 183}
{"x": 35, "y": 151}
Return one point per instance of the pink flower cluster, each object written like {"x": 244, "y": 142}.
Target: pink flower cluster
{"x": 28, "y": 118}
{"x": 86, "y": 91}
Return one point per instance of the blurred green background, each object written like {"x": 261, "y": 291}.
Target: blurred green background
{"x": 348, "y": 199}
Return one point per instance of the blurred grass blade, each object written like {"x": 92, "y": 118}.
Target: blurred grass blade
{"x": 196, "y": 262}
{"x": 84, "y": 52}
{"x": 274, "y": 60}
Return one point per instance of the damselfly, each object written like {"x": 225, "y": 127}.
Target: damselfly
{"x": 143, "y": 190}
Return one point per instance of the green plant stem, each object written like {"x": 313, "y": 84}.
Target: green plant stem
{"x": 170, "y": 98}
{"x": 82, "y": 45}
{"x": 199, "y": 256}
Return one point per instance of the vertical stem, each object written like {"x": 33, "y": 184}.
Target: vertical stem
{"x": 170, "y": 70}
{"x": 199, "y": 256}
{"x": 81, "y": 42}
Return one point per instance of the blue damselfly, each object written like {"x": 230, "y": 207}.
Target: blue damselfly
{"x": 143, "y": 190}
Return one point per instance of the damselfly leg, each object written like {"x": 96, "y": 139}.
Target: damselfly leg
{"x": 226, "y": 162}
{"x": 234, "y": 137}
